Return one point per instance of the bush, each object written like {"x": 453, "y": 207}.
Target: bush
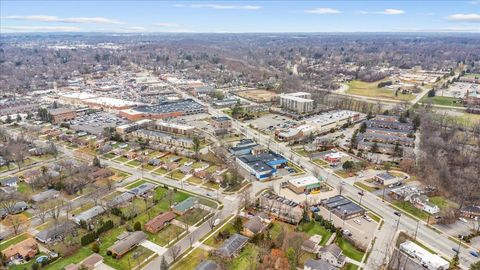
{"x": 137, "y": 226}
{"x": 109, "y": 252}
{"x": 105, "y": 227}
{"x": 88, "y": 238}
{"x": 95, "y": 247}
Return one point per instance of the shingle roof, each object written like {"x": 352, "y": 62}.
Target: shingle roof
{"x": 185, "y": 204}
{"x": 55, "y": 231}
{"x": 255, "y": 225}
{"x": 89, "y": 214}
{"x": 142, "y": 189}
{"x": 207, "y": 265}
{"x": 233, "y": 244}
{"x": 319, "y": 265}
{"x": 124, "y": 197}
{"x": 45, "y": 195}
{"x": 125, "y": 244}
{"x": 333, "y": 249}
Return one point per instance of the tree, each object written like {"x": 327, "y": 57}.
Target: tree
{"x": 238, "y": 224}
{"x": 96, "y": 162}
{"x": 475, "y": 266}
{"x": 196, "y": 146}
{"x": 454, "y": 262}
{"x": 137, "y": 226}
{"x": 387, "y": 166}
{"x": 95, "y": 247}
{"x": 348, "y": 165}
{"x": 374, "y": 148}
{"x": 291, "y": 258}
{"x": 174, "y": 252}
{"x": 164, "y": 264}
{"x": 363, "y": 127}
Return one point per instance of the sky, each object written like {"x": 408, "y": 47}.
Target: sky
{"x": 239, "y": 16}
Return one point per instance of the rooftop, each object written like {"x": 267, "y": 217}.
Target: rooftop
{"x": 304, "y": 181}
{"x": 171, "y": 106}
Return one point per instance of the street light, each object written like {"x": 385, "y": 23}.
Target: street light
{"x": 398, "y": 221}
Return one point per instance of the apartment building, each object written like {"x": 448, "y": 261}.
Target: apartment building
{"x": 299, "y": 102}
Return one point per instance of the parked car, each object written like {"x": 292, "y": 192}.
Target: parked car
{"x": 357, "y": 221}
{"x": 455, "y": 249}
{"x": 346, "y": 232}
{"x": 463, "y": 220}
{"x": 474, "y": 254}
{"x": 367, "y": 218}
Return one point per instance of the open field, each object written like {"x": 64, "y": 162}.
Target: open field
{"x": 444, "y": 101}
{"x": 371, "y": 90}
{"x": 257, "y": 95}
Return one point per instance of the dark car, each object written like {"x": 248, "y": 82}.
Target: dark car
{"x": 397, "y": 213}
{"x": 474, "y": 254}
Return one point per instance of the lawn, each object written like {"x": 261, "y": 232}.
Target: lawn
{"x": 312, "y": 228}
{"x": 472, "y": 75}
{"x": 195, "y": 180}
{"x": 119, "y": 175}
{"x": 349, "y": 250}
{"x": 136, "y": 184}
{"x": 81, "y": 254}
{"x": 166, "y": 235}
{"x": 350, "y": 266}
{"x": 302, "y": 152}
{"x": 199, "y": 164}
{"x": 411, "y": 209}
{"x": 160, "y": 171}
{"x": 365, "y": 187}
{"x": 192, "y": 260}
{"x": 134, "y": 163}
{"x": 109, "y": 155}
{"x": 344, "y": 174}
{"x": 213, "y": 242}
{"x": 208, "y": 203}
{"x": 178, "y": 175}
{"x": 360, "y": 88}
{"x": 14, "y": 240}
{"x": 445, "y": 101}
{"x": 24, "y": 188}
{"x": 121, "y": 159}
{"x": 82, "y": 208}
{"x": 211, "y": 185}
{"x": 442, "y": 202}
{"x": 277, "y": 226}
{"x": 320, "y": 162}
{"x": 193, "y": 216}
{"x": 212, "y": 169}
{"x": 246, "y": 259}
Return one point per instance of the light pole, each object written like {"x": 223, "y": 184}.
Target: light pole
{"x": 416, "y": 230}
{"x": 398, "y": 221}
{"x": 361, "y": 196}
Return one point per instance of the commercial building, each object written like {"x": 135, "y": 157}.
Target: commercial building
{"x": 426, "y": 259}
{"x": 173, "y": 128}
{"x": 343, "y": 207}
{"x": 306, "y": 184}
{"x": 15, "y": 106}
{"x": 61, "y": 115}
{"x": 109, "y": 104}
{"x": 164, "y": 138}
{"x": 127, "y": 128}
{"x": 75, "y": 98}
{"x": 221, "y": 124}
{"x": 386, "y": 179}
{"x": 164, "y": 110}
{"x": 299, "y": 102}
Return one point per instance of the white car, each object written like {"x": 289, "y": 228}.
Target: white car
{"x": 367, "y": 218}
{"x": 357, "y": 221}
{"x": 463, "y": 220}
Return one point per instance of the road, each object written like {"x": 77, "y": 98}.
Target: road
{"x": 383, "y": 244}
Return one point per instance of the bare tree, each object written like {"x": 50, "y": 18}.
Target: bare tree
{"x": 174, "y": 252}
{"x": 42, "y": 211}
{"x": 56, "y": 210}
{"x": 15, "y": 222}
{"x": 191, "y": 238}
{"x": 340, "y": 188}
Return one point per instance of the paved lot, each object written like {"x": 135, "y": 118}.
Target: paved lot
{"x": 273, "y": 120}
{"x": 458, "y": 89}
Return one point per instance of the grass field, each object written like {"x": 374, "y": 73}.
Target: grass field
{"x": 365, "y": 89}
{"x": 445, "y": 101}
{"x": 365, "y": 187}
{"x": 212, "y": 241}
{"x": 411, "y": 209}
{"x": 75, "y": 258}
{"x": 472, "y": 75}
{"x": 191, "y": 261}
{"x": 312, "y": 228}
{"x": 13, "y": 241}
{"x": 166, "y": 235}
{"x": 245, "y": 259}
{"x": 349, "y": 250}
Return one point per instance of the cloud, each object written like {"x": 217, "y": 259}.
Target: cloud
{"x": 217, "y": 6}
{"x": 26, "y": 29}
{"x": 47, "y": 18}
{"x": 134, "y": 29}
{"x": 471, "y": 17}
{"x": 166, "y": 24}
{"x": 323, "y": 11}
{"x": 388, "y": 11}
{"x": 391, "y": 11}
{"x": 452, "y": 29}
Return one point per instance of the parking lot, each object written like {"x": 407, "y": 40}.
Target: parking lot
{"x": 269, "y": 122}
{"x": 94, "y": 123}
{"x": 458, "y": 90}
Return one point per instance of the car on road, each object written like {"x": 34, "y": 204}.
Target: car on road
{"x": 346, "y": 232}
{"x": 209, "y": 195}
{"x": 455, "y": 249}
{"x": 397, "y": 213}
{"x": 474, "y": 254}
{"x": 463, "y": 220}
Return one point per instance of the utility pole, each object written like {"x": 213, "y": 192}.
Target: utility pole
{"x": 416, "y": 230}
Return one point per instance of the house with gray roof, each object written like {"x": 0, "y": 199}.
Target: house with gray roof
{"x": 253, "y": 226}
{"x": 89, "y": 214}
{"x": 333, "y": 255}
{"x": 312, "y": 264}
{"x": 185, "y": 205}
{"x": 126, "y": 242}
{"x": 9, "y": 181}
{"x": 232, "y": 246}
{"x": 120, "y": 199}
{"x": 18, "y": 208}
{"x": 57, "y": 232}
{"x": 207, "y": 265}
{"x": 143, "y": 189}
{"x": 45, "y": 195}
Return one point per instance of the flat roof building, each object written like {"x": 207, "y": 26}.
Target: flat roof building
{"x": 299, "y": 102}
{"x": 306, "y": 184}
{"x": 165, "y": 110}
{"x": 343, "y": 207}
{"x": 427, "y": 259}
{"x": 61, "y": 115}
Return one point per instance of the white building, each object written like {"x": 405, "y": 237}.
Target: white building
{"x": 173, "y": 128}
{"x": 427, "y": 259}
{"x": 299, "y": 102}
{"x": 305, "y": 184}
{"x": 332, "y": 120}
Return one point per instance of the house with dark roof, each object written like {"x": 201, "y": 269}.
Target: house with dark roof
{"x": 253, "y": 226}
{"x": 91, "y": 262}
{"x": 143, "y": 189}
{"x": 18, "y": 208}
{"x": 57, "y": 232}
{"x": 333, "y": 255}
{"x": 470, "y": 211}
{"x": 312, "y": 264}
{"x": 232, "y": 246}
{"x": 386, "y": 179}
{"x": 89, "y": 215}
{"x": 126, "y": 242}
{"x": 159, "y": 222}
{"x": 207, "y": 265}
{"x": 185, "y": 205}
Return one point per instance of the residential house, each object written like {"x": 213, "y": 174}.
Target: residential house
{"x": 184, "y": 206}
{"x": 170, "y": 166}
{"x": 89, "y": 214}
{"x": 202, "y": 174}
{"x": 232, "y": 246}
{"x": 310, "y": 246}
{"x": 9, "y": 182}
{"x": 422, "y": 202}
{"x": 281, "y": 208}
{"x": 125, "y": 242}
{"x": 186, "y": 169}
{"x": 312, "y": 264}
{"x": 333, "y": 255}
{"x": 46, "y": 195}
{"x": 143, "y": 190}
{"x": 154, "y": 162}
{"x": 253, "y": 226}
{"x": 25, "y": 250}
{"x": 121, "y": 199}
{"x": 101, "y": 173}
{"x": 57, "y": 232}
{"x": 207, "y": 265}
{"x": 91, "y": 262}
{"x": 159, "y": 222}
{"x": 18, "y": 208}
